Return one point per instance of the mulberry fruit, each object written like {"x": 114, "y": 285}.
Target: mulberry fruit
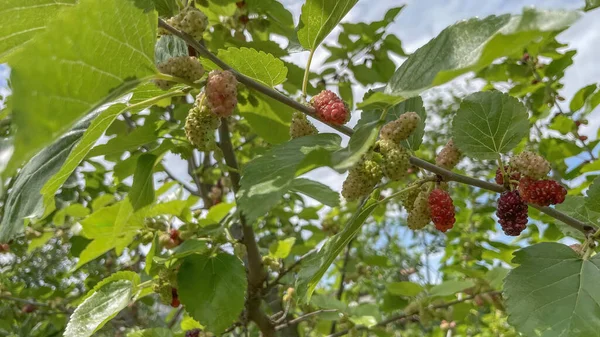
{"x": 441, "y": 209}
{"x": 395, "y": 159}
{"x": 301, "y": 126}
{"x": 186, "y": 67}
{"x": 401, "y": 128}
{"x": 408, "y": 199}
{"x": 221, "y": 92}
{"x": 512, "y": 213}
{"x": 174, "y": 298}
{"x": 420, "y": 215}
{"x": 541, "y": 192}
{"x": 192, "y": 333}
{"x": 449, "y": 156}
{"x": 200, "y": 126}
{"x": 514, "y": 176}
{"x": 530, "y": 164}
{"x": 330, "y": 108}
{"x": 361, "y": 179}
{"x": 191, "y": 21}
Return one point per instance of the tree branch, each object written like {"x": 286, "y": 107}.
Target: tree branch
{"x": 303, "y": 318}
{"x": 447, "y": 175}
{"x": 256, "y": 271}
{"x": 184, "y": 185}
{"x": 340, "y": 290}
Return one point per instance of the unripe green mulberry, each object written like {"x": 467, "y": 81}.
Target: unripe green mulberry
{"x": 361, "y": 179}
{"x": 186, "y": 67}
{"x": 164, "y": 292}
{"x": 200, "y": 126}
{"x": 530, "y": 164}
{"x": 191, "y": 21}
{"x": 449, "y": 156}
{"x": 301, "y": 126}
{"x": 395, "y": 159}
{"x": 401, "y": 128}
{"x": 420, "y": 216}
{"x": 408, "y": 199}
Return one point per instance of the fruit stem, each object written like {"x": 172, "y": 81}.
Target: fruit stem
{"x": 307, "y": 72}
{"x": 504, "y": 176}
{"x": 408, "y": 189}
{"x": 170, "y": 78}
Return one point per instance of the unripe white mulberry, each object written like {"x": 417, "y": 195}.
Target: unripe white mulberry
{"x": 449, "y": 156}
{"x": 401, "y": 128}
{"x": 530, "y": 164}
{"x": 301, "y": 126}
{"x": 361, "y": 179}
{"x": 221, "y": 92}
{"x": 191, "y": 21}
{"x": 420, "y": 215}
{"x": 395, "y": 159}
{"x": 200, "y": 126}
{"x": 186, "y": 67}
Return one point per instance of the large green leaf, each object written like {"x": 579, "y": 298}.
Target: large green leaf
{"x": 24, "y": 200}
{"x": 404, "y": 288}
{"x": 72, "y": 69}
{"x": 489, "y": 123}
{"x": 360, "y": 142}
{"x": 316, "y": 190}
{"x": 593, "y": 196}
{"x": 553, "y": 292}
{"x": 23, "y": 19}
{"x": 104, "y": 304}
{"x": 258, "y": 65}
{"x": 317, "y": 263}
{"x": 473, "y": 44}
{"x": 414, "y": 104}
{"x": 576, "y": 207}
{"x": 142, "y": 189}
{"x": 142, "y": 98}
{"x": 448, "y": 288}
{"x": 212, "y": 289}
{"x": 319, "y": 18}
{"x": 266, "y": 178}
{"x": 270, "y": 119}
{"x": 281, "y": 249}
{"x": 591, "y": 4}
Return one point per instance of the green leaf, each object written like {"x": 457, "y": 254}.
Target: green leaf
{"x": 142, "y": 189}
{"x": 592, "y": 201}
{"x": 104, "y": 304}
{"x": 316, "y": 190}
{"x": 130, "y": 276}
{"x": 562, "y": 124}
{"x": 361, "y": 142}
{"x": 403, "y": 288}
{"x": 266, "y": 179}
{"x": 414, "y": 104}
{"x": 189, "y": 247}
{"x": 260, "y": 66}
{"x": 22, "y": 20}
{"x": 25, "y": 200}
{"x": 152, "y": 252}
{"x": 553, "y": 292}
{"x": 217, "y": 212}
{"x": 380, "y": 100}
{"x": 489, "y": 123}
{"x": 73, "y": 69}
{"x": 448, "y": 288}
{"x": 591, "y": 4}
{"x": 576, "y": 207}
{"x": 317, "y": 263}
{"x": 269, "y": 119}
{"x": 39, "y": 241}
{"x": 581, "y": 96}
{"x": 319, "y": 18}
{"x": 281, "y": 249}
{"x": 166, "y": 8}
{"x": 328, "y": 302}
{"x": 473, "y": 44}
{"x": 95, "y": 130}
{"x": 154, "y": 332}
{"x": 212, "y": 289}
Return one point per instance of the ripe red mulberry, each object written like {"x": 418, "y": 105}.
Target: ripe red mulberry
{"x": 442, "y": 209}
{"x": 530, "y": 164}
{"x": 301, "y": 126}
{"x": 449, "y": 156}
{"x": 401, "y": 128}
{"x": 221, "y": 92}
{"x": 330, "y": 108}
{"x": 175, "y": 298}
{"x": 512, "y": 213}
{"x": 541, "y": 192}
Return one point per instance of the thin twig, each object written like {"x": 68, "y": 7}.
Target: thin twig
{"x": 289, "y": 269}
{"x": 175, "y": 318}
{"x": 184, "y": 185}
{"x": 303, "y": 318}
{"x": 447, "y": 175}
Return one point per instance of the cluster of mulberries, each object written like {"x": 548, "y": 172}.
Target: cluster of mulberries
{"x": 419, "y": 215}
{"x": 512, "y": 213}
{"x": 449, "y": 156}
{"x": 441, "y": 209}
{"x": 401, "y": 128}
{"x": 221, "y": 92}
{"x": 186, "y": 67}
{"x": 200, "y": 126}
{"x": 191, "y": 21}
{"x": 395, "y": 159}
{"x": 361, "y": 179}
{"x": 330, "y": 108}
{"x": 301, "y": 126}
